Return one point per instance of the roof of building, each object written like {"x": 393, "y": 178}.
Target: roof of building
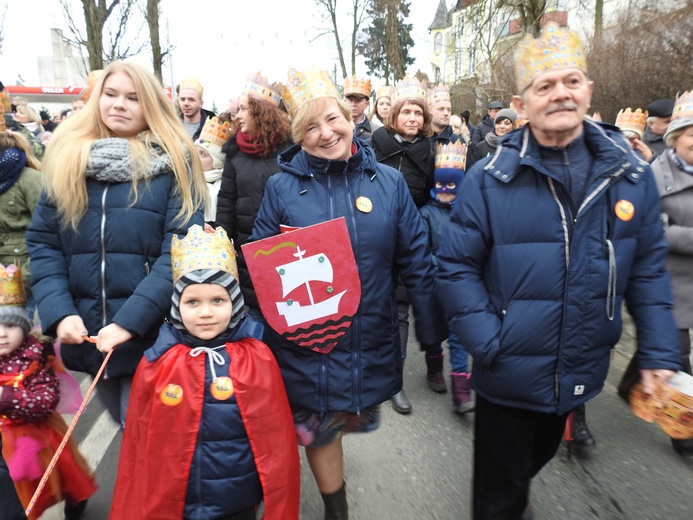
{"x": 441, "y": 19}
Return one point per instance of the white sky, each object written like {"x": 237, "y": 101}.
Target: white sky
{"x": 220, "y": 42}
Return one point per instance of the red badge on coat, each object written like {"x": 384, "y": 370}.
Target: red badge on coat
{"x": 307, "y": 283}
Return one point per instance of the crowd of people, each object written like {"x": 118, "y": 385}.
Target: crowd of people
{"x": 513, "y": 243}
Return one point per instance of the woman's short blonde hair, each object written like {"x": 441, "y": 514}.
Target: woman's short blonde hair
{"x": 671, "y": 137}
{"x": 307, "y": 113}
{"x": 30, "y": 113}
{"x": 68, "y": 152}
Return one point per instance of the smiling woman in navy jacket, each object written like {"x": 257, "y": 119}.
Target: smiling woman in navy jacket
{"x": 121, "y": 176}
{"x": 330, "y": 174}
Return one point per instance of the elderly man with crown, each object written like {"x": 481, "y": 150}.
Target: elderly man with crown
{"x": 553, "y": 233}
{"x": 210, "y": 433}
{"x": 357, "y": 93}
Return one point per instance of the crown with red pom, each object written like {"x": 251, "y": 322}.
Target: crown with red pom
{"x": 556, "y": 48}
{"x": 11, "y": 286}
{"x": 408, "y": 88}
{"x": 451, "y": 155}
{"x": 632, "y": 121}
{"x": 438, "y": 93}
{"x": 302, "y": 87}
{"x": 202, "y": 250}
{"x": 258, "y": 87}
{"x": 354, "y": 85}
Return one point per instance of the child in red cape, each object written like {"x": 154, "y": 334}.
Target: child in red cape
{"x": 209, "y": 432}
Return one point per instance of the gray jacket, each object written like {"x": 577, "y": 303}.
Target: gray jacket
{"x": 676, "y": 196}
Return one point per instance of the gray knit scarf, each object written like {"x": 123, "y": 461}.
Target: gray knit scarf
{"x": 110, "y": 161}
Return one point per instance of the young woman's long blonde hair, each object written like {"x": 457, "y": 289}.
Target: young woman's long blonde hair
{"x": 67, "y": 154}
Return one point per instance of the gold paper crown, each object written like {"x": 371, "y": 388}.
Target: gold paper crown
{"x": 630, "y": 121}
{"x": 201, "y": 250}
{"x": 683, "y": 107}
{"x": 556, "y": 48}
{"x": 385, "y": 91}
{"x": 302, "y": 87}
{"x": 408, "y": 88}
{"x": 215, "y": 132}
{"x": 192, "y": 84}
{"x": 451, "y": 155}
{"x": 438, "y": 93}
{"x": 11, "y": 286}
{"x": 258, "y": 87}
{"x": 354, "y": 85}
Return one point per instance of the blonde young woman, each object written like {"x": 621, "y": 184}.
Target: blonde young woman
{"x": 121, "y": 177}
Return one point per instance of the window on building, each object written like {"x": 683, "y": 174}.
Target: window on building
{"x": 460, "y": 27}
{"x": 471, "y": 62}
{"x": 458, "y": 63}
{"x": 438, "y": 43}
{"x": 437, "y": 75}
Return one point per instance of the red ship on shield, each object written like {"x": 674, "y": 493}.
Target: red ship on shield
{"x": 307, "y": 283}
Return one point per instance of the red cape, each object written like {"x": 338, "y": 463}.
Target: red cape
{"x": 159, "y": 440}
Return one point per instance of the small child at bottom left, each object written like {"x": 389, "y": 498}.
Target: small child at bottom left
{"x": 31, "y": 427}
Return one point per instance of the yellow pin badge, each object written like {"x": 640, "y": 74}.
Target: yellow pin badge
{"x": 221, "y": 388}
{"x": 364, "y": 204}
{"x": 624, "y": 210}
{"x": 171, "y": 395}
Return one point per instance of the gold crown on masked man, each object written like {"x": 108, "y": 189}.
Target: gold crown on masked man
{"x": 408, "y": 88}
{"x": 360, "y": 86}
{"x": 257, "y": 86}
{"x": 438, "y": 93}
{"x": 556, "y": 48}
{"x": 11, "y": 286}
{"x": 451, "y": 155}
{"x": 632, "y": 121}
{"x": 202, "y": 250}
{"x": 302, "y": 87}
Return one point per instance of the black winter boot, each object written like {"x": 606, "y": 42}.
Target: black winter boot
{"x": 336, "y": 504}
{"x": 434, "y": 374}
{"x": 582, "y": 437}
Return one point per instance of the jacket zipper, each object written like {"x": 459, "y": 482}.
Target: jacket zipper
{"x": 103, "y": 266}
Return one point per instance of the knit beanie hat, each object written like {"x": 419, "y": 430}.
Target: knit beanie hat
{"x": 214, "y": 150}
{"x": 506, "y": 113}
{"x": 16, "y": 315}
{"x": 213, "y": 136}
{"x": 213, "y": 276}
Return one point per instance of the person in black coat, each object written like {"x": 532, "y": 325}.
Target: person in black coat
{"x": 486, "y": 124}
{"x": 405, "y": 144}
{"x": 503, "y": 124}
{"x": 10, "y": 505}
{"x": 262, "y": 131}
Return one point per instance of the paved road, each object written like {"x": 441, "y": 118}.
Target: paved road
{"x": 418, "y": 467}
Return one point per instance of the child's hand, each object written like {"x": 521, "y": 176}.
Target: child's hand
{"x": 111, "y": 336}
{"x": 71, "y": 330}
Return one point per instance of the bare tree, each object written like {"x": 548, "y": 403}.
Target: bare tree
{"x": 152, "y": 16}
{"x": 359, "y": 16}
{"x": 3, "y": 12}
{"x": 103, "y": 42}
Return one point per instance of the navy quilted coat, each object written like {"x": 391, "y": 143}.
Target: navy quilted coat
{"x": 534, "y": 289}
{"x": 116, "y": 268}
{"x": 365, "y": 368}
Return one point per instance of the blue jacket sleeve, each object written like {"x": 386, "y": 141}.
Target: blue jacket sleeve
{"x": 461, "y": 258}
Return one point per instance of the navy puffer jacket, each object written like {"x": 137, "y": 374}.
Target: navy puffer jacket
{"x": 365, "y": 368}
{"x": 116, "y": 268}
{"x": 534, "y": 291}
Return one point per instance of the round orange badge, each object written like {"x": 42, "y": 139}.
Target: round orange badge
{"x": 171, "y": 395}
{"x": 364, "y": 204}
{"x": 624, "y": 210}
{"x": 222, "y": 388}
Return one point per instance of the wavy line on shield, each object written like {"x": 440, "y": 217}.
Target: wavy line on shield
{"x": 263, "y": 252}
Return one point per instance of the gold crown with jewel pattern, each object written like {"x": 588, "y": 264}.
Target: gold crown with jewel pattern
{"x": 215, "y": 132}
{"x": 11, "y": 286}
{"x": 385, "y": 91}
{"x": 354, "y": 85}
{"x": 202, "y": 250}
{"x": 556, "y": 48}
{"x": 451, "y": 155}
{"x": 683, "y": 107}
{"x": 408, "y": 88}
{"x": 302, "y": 87}
{"x": 632, "y": 121}
{"x": 257, "y": 86}
{"x": 438, "y": 93}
